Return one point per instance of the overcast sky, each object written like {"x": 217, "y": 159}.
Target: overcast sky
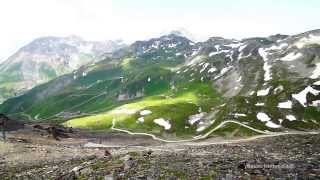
{"x": 130, "y": 20}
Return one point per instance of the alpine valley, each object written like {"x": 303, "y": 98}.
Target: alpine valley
{"x": 168, "y": 87}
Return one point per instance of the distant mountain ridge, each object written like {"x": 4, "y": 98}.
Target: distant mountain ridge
{"x": 46, "y": 58}
{"x": 175, "y": 88}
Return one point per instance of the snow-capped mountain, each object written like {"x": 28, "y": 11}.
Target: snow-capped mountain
{"x": 46, "y": 58}
{"x": 175, "y": 88}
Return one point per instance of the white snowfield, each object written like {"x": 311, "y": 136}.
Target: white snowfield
{"x": 178, "y": 54}
{"x": 315, "y": 103}
{"x": 271, "y": 124}
{"x": 302, "y": 96}
{"x": 141, "y": 119}
{"x": 259, "y": 104}
{"x": 279, "y": 47}
{"x": 195, "y": 118}
{"x": 162, "y": 122}
{"x": 218, "y": 52}
{"x": 241, "y": 55}
{"x": 145, "y": 112}
{"x": 239, "y": 115}
{"x": 311, "y": 39}
{"x": 291, "y": 117}
{"x": 317, "y": 83}
{"x": 201, "y": 128}
{"x": 292, "y": 56}
{"x": 263, "y": 117}
{"x": 224, "y": 70}
{"x": 266, "y": 66}
{"x": 285, "y": 105}
{"x": 242, "y": 47}
{"x": 316, "y": 72}
{"x": 211, "y": 70}
{"x": 217, "y": 47}
{"x": 263, "y": 92}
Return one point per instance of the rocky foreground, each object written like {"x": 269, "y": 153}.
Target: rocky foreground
{"x": 284, "y": 157}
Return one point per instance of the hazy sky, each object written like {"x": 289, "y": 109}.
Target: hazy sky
{"x": 23, "y": 20}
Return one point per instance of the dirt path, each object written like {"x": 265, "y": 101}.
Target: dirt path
{"x": 202, "y": 137}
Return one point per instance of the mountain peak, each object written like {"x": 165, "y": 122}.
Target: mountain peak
{"x": 48, "y": 57}
{"x": 183, "y": 32}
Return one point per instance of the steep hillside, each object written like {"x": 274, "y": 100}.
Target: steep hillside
{"x": 47, "y": 58}
{"x": 173, "y": 88}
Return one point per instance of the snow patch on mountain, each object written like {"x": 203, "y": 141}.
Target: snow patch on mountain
{"x": 271, "y": 124}
{"x": 141, "y": 119}
{"x": 211, "y": 70}
{"x": 201, "y": 128}
{"x": 266, "y": 66}
{"x": 278, "y": 47}
{"x": 317, "y": 83}
{"x": 291, "y": 117}
{"x": 239, "y": 115}
{"x": 162, "y": 122}
{"x": 195, "y": 118}
{"x": 263, "y": 92}
{"x": 145, "y": 112}
{"x": 316, "y": 72}
{"x": 292, "y": 56}
{"x": 218, "y": 52}
{"x": 301, "y": 97}
{"x": 263, "y": 117}
{"x": 311, "y": 39}
{"x": 259, "y": 104}
{"x": 315, "y": 103}
{"x": 285, "y": 105}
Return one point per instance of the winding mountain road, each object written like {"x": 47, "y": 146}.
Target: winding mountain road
{"x": 265, "y": 134}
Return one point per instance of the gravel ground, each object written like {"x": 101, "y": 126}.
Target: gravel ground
{"x": 280, "y": 157}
